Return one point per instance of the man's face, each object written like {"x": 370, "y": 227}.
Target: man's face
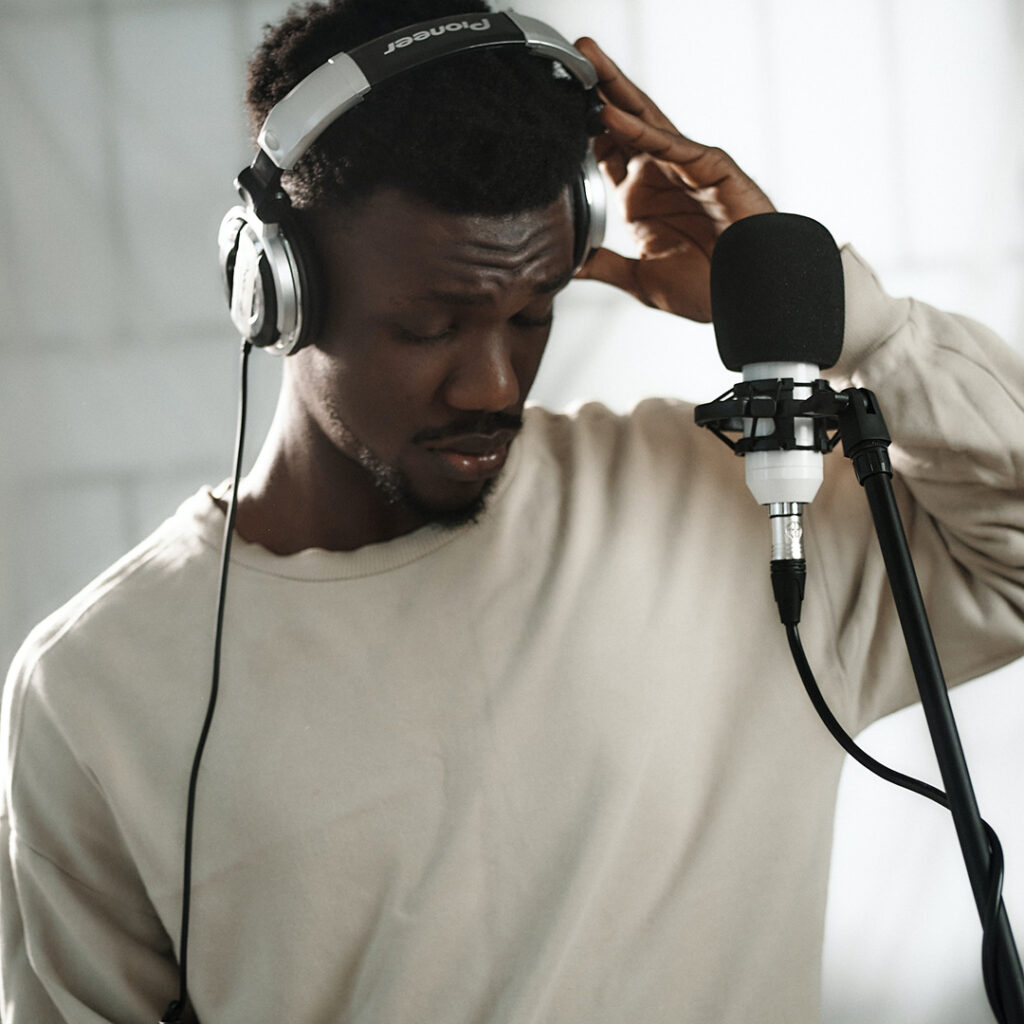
{"x": 435, "y": 325}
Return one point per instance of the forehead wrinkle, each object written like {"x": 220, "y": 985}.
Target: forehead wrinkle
{"x": 548, "y": 287}
{"x": 509, "y": 246}
{"x": 500, "y": 247}
{"x": 468, "y": 265}
{"x": 479, "y": 297}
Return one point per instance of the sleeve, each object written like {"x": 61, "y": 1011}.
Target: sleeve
{"x": 80, "y": 940}
{"x": 953, "y": 398}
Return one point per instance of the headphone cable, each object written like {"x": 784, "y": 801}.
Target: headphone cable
{"x": 174, "y": 1012}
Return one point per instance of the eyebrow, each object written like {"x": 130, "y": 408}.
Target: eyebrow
{"x": 548, "y": 287}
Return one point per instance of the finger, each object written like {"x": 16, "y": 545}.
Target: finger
{"x": 616, "y": 167}
{"x": 611, "y": 158}
{"x": 615, "y": 156}
{"x": 697, "y": 166}
{"x": 636, "y": 135}
{"x": 617, "y": 88}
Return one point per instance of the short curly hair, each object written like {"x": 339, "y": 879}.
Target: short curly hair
{"x": 490, "y": 131}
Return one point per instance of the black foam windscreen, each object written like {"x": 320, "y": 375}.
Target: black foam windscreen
{"x": 777, "y": 292}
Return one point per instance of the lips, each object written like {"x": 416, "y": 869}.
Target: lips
{"x": 471, "y": 457}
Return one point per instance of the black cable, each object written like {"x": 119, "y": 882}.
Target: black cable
{"x": 993, "y": 901}
{"x": 174, "y": 1012}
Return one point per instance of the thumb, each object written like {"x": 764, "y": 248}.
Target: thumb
{"x": 614, "y": 269}
{"x": 676, "y": 285}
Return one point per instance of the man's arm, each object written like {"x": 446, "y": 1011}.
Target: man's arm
{"x": 951, "y": 391}
{"x": 952, "y": 394}
{"x": 81, "y": 941}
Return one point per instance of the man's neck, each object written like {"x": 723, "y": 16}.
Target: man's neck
{"x": 297, "y": 497}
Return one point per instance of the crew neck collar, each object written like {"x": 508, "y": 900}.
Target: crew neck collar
{"x": 207, "y": 521}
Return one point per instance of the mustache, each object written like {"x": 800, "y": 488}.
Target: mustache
{"x": 479, "y": 423}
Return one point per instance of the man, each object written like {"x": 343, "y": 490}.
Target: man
{"x": 507, "y": 729}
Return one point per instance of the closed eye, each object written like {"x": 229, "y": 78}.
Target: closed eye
{"x": 425, "y": 339}
{"x": 522, "y": 320}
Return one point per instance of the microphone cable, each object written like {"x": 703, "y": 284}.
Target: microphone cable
{"x": 174, "y": 1014}
{"x": 993, "y": 895}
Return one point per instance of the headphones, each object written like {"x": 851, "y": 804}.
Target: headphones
{"x": 266, "y": 262}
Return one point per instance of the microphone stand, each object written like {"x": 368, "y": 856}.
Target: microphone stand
{"x": 857, "y": 419}
{"x": 866, "y": 442}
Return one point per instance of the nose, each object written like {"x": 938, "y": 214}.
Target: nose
{"x": 483, "y": 377}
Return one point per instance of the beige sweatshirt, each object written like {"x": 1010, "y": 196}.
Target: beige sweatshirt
{"x": 552, "y": 768}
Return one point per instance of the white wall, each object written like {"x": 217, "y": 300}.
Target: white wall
{"x": 895, "y": 122}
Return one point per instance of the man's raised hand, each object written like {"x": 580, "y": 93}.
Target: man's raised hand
{"x": 677, "y": 196}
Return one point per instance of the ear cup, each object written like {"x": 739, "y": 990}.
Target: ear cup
{"x": 270, "y": 278}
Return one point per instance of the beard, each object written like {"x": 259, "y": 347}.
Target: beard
{"x": 395, "y": 485}
{"x": 451, "y": 518}
{"x": 396, "y": 488}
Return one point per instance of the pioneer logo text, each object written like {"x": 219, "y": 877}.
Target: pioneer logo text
{"x": 438, "y": 30}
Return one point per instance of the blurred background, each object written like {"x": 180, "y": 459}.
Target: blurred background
{"x": 897, "y": 123}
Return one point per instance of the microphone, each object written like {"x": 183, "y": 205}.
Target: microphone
{"x": 778, "y": 313}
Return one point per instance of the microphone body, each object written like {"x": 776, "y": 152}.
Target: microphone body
{"x": 780, "y": 475}
{"x": 777, "y": 300}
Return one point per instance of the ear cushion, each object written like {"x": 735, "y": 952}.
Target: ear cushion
{"x": 308, "y": 280}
